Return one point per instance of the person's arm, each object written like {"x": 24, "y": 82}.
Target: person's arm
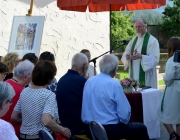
{"x": 127, "y": 54}
{"x": 16, "y": 117}
{"x": 16, "y": 114}
{"x": 169, "y": 72}
{"x": 49, "y": 113}
{"x": 150, "y": 60}
{"x": 50, "y": 124}
{"x": 123, "y": 106}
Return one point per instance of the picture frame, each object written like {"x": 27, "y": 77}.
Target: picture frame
{"x": 26, "y": 35}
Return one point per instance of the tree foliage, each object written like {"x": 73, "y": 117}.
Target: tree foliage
{"x": 171, "y": 19}
{"x": 152, "y": 20}
{"x": 121, "y": 28}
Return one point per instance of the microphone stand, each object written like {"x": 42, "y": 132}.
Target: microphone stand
{"x": 94, "y": 59}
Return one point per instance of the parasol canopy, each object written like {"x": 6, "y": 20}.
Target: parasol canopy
{"x": 108, "y": 5}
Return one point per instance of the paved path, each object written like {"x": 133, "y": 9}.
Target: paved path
{"x": 164, "y": 134}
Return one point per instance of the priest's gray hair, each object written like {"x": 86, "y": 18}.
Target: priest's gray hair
{"x": 6, "y": 92}
{"x": 108, "y": 63}
{"x": 24, "y": 68}
{"x": 79, "y": 59}
{"x": 143, "y": 20}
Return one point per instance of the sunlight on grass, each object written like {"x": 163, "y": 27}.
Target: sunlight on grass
{"x": 124, "y": 74}
{"x": 161, "y": 82}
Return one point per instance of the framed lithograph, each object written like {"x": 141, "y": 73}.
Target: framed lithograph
{"x": 26, "y": 35}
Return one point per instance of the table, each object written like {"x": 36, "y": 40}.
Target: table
{"x": 135, "y": 100}
{"x": 144, "y": 108}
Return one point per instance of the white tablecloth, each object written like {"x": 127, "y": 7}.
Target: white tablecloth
{"x": 151, "y": 99}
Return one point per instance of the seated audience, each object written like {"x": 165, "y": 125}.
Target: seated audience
{"x": 104, "y": 101}
{"x": 31, "y": 57}
{"x": 6, "y": 129}
{"x": 169, "y": 113}
{"x": 49, "y": 56}
{"x": 36, "y": 107}
{"x": 3, "y": 71}
{"x": 91, "y": 70}
{"x": 69, "y": 94}
{"x": 11, "y": 60}
{"x": 21, "y": 78}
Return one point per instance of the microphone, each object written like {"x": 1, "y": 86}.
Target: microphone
{"x": 92, "y": 60}
{"x": 123, "y": 41}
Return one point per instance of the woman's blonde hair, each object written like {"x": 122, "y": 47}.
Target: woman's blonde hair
{"x": 10, "y": 59}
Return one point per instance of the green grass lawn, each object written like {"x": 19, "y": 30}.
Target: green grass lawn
{"x": 125, "y": 74}
{"x": 161, "y": 82}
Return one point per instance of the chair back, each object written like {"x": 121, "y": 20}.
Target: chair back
{"x": 97, "y": 131}
{"x": 45, "y": 135}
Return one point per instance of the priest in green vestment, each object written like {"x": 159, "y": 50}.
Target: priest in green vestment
{"x": 142, "y": 55}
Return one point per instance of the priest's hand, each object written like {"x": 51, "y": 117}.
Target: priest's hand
{"x": 128, "y": 56}
{"x": 136, "y": 56}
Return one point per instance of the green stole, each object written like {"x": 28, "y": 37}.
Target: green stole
{"x": 143, "y": 52}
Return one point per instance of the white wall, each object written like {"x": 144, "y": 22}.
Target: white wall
{"x": 65, "y": 33}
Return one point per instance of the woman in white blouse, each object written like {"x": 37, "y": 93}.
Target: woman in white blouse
{"x": 6, "y": 94}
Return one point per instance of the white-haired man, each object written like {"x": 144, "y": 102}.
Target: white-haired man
{"x": 142, "y": 55}
{"x": 104, "y": 101}
{"x": 69, "y": 94}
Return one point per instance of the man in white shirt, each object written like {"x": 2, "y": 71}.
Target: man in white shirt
{"x": 104, "y": 101}
{"x": 142, "y": 55}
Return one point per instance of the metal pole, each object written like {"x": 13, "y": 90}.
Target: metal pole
{"x": 110, "y": 34}
{"x": 31, "y": 8}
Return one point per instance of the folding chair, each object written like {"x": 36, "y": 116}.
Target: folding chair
{"x": 45, "y": 135}
{"x": 97, "y": 131}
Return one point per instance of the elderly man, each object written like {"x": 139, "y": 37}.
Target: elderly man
{"x": 21, "y": 78}
{"x": 104, "y": 101}
{"x": 142, "y": 55}
{"x": 69, "y": 94}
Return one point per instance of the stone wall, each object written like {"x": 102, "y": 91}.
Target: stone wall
{"x": 65, "y": 33}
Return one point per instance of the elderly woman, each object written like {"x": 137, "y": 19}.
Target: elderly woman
{"x": 37, "y": 105}
{"x": 49, "y": 56}
{"x": 21, "y": 78}
{"x": 3, "y": 70}
{"x": 11, "y": 60}
{"x": 6, "y": 95}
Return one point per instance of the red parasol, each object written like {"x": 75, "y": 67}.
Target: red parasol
{"x": 108, "y": 5}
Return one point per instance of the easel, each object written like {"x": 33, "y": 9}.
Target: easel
{"x": 31, "y": 9}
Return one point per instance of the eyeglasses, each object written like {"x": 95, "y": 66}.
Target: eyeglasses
{"x": 138, "y": 27}
{"x": 9, "y": 101}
